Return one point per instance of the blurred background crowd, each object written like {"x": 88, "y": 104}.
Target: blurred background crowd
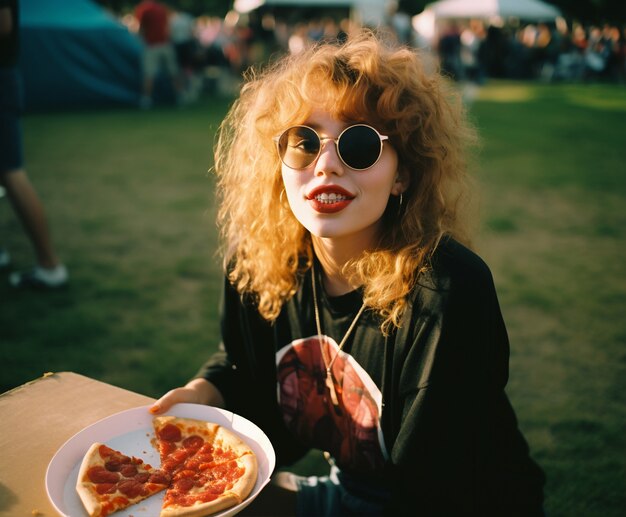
{"x": 214, "y": 42}
{"x": 544, "y": 45}
{"x": 466, "y": 49}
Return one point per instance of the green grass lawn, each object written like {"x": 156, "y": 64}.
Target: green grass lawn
{"x": 554, "y": 211}
{"x": 132, "y": 210}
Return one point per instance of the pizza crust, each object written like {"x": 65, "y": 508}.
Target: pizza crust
{"x": 244, "y": 485}
{"x": 226, "y": 500}
{"x": 84, "y": 488}
{"x": 228, "y": 439}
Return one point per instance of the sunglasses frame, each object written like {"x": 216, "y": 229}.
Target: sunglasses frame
{"x": 382, "y": 139}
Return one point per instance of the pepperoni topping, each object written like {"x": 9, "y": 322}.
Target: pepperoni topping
{"x": 159, "y": 478}
{"x": 227, "y": 472}
{"x": 193, "y": 442}
{"x": 142, "y": 477}
{"x": 213, "y": 482}
{"x": 114, "y": 456}
{"x": 101, "y": 475}
{"x": 105, "y": 488}
{"x": 184, "y": 474}
{"x": 166, "y": 448}
{"x": 207, "y": 448}
{"x": 113, "y": 465}
{"x": 184, "y": 484}
{"x": 180, "y": 455}
{"x": 169, "y": 466}
{"x": 204, "y": 458}
{"x": 182, "y": 498}
{"x": 175, "y": 459}
{"x": 223, "y": 455}
{"x": 130, "y": 488}
{"x": 170, "y": 433}
{"x": 105, "y": 451}
{"x": 128, "y": 471}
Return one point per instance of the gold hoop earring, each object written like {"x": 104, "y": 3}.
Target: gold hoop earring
{"x": 400, "y": 205}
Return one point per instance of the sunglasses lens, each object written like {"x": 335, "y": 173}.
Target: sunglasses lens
{"x": 298, "y": 147}
{"x": 360, "y": 147}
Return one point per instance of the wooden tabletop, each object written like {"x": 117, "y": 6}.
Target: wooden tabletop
{"x": 36, "y": 419}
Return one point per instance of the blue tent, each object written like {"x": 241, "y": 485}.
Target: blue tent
{"x": 73, "y": 53}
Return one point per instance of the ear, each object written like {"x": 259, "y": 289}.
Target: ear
{"x": 401, "y": 182}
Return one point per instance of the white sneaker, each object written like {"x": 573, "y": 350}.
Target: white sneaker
{"x": 40, "y": 277}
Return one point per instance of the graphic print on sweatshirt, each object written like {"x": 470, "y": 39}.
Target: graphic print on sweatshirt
{"x": 350, "y": 431}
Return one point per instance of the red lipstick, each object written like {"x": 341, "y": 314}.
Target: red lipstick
{"x": 328, "y": 199}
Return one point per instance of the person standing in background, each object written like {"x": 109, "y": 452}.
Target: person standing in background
{"x": 188, "y": 54}
{"x": 49, "y": 272}
{"x": 154, "y": 28}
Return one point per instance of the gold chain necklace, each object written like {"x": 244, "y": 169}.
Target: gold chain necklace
{"x": 329, "y": 364}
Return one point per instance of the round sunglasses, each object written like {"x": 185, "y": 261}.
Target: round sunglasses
{"x": 358, "y": 146}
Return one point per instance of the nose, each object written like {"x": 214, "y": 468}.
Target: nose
{"x": 328, "y": 162}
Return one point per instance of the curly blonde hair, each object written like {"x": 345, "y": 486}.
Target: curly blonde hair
{"x": 366, "y": 80}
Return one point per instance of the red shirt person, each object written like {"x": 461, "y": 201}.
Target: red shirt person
{"x": 153, "y": 18}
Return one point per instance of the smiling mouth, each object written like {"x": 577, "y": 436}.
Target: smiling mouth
{"x": 329, "y": 199}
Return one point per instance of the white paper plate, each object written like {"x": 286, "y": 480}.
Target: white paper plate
{"x": 130, "y": 432}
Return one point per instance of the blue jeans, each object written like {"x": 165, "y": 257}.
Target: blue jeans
{"x": 338, "y": 495}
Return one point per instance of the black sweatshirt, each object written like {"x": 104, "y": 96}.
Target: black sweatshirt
{"x": 422, "y": 412}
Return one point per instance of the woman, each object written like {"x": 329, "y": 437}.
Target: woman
{"x": 354, "y": 320}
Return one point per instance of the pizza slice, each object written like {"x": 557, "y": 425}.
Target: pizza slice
{"x": 211, "y": 468}
{"x": 109, "y": 481}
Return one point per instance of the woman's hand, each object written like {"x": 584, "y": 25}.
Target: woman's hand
{"x": 197, "y": 391}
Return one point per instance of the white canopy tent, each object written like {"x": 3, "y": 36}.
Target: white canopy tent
{"x": 527, "y": 10}
{"x": 493, "y": 11}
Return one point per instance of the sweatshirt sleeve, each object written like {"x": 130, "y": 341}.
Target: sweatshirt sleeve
{"x": 458, "y": 450}
{"x": 221, "y": 367}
